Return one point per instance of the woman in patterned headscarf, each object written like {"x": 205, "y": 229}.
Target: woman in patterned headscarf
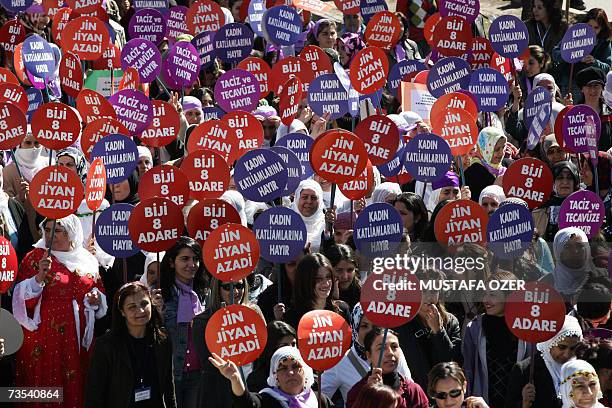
{"x": 348, "y": 45}
{"x": 486, "y": 167}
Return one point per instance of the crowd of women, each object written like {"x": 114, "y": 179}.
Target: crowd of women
{"x": 111, "y": 342}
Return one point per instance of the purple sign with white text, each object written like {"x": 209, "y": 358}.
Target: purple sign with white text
{"x": 177, "y": 22}
{"x": 582, "y": 209}
{"x": 260, "y": 175}
{"x": 282, "y": 25}
{"x": 490, "y": 88}
{"x": 367, "y": 8}
{"x": 576, "y": 133}
{"x": 257, "y": 8}
{"x": 281, "y": 234}
{"x": 134, "y": 110}
{"x": 204, "y": 43}
{"x": 448, "y": 75}
{"x": 394, "y": 167}
{"x": 294, "y": 168}
{"x": 378, "y": 230}
{"x": 400, "y": 70}
{"x": 119, "y": 154}
{"x": 510, "y": 230}
{"x": 300, "y": 144}
{"x": 112, "y": 231}
{"x": 38, "y": 57}
{"x": 181, "y": 66}
{"x": 144, "y": 56}
{"x": 577, "y": 43}
{"x": 327, "y": 95}
{"x": 427, "y": 157}
{"x": 509, "y": 36}
{"x": 467, "y": 9}
{"x": 148, "y": 24}
{"x": 237, "y": 89}
{"x": 233, "y": 42}
{"x": 538, "y": 97}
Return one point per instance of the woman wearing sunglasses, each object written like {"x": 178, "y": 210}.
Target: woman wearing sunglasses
{"x": 447, "y": 387}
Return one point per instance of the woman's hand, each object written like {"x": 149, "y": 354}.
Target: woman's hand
{"x": 529, "y": 394}
{"x": 376, "y": 376}
{"x": 93, "y": 298}
{"x": 475, "y": 402}
{"x": 176, "y": 103}
{"x": 279, "y": 311}
{"x": 91, "y": 247}
{"x": 305, "y": 115}
{"x": 24, "y": 190}
{"x": 44, "y": 266}
{"x": 568, "y": 100}
{"x": 319, "y": 126}
{"x": 589, "y": 59}
{"x": 359, "y": 205}
{"x": 330, "y": 215}
{"x": 466, "y": 193}
{"x": 433, "y": 318}
{"x": 230, "y": 371}
{"x": 517, "y": 95}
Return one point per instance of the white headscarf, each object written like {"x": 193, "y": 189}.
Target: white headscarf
{"x": 297, "y": 126}
{"x": 78, "y": 259}
{"x": 30, "y": 161}
{"x": 571, "y": 328}
{"x": 381, "y": 192}
{"x": 144, "y": 151}
{"x": 150, "y": 258}
{"x": 570, "y": 370}
{"x": 237, "y": 201}
{"x": 11, "y": 226}
{"x": 568, "y": 280}
{"x": 493, "y": 191}
{"x": 315, "y": 224}
{"x": 284, "y": 353}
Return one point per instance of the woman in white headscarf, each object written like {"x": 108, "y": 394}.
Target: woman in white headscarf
{"x": 238, "y": 202}
{"x": 552, "y": 355}
{"x": 491, "y": 197}
{"x": 386, "y": 193}
{"x": 290, "y": 381}
{"x": 572, "y": 260}
{"x": 580, "y": 386}
{"x": 13, "y": 222}
{"x": 308, "y": 203}
{"x": 63, "y": 294}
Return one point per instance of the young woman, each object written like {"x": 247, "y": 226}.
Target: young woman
{"x": 546, "y": 371}
{"x": 547, "y": 26}
{"x": 183, "y": 287}
{"x": 280, "y": 334}
{"x": 601, "y": 56}
{"x": 414, "y": 215}
{"x": 580, "y": 386}
{"x": 314, "y": 290}
{"x": 323, "y": 34}
{"x": 537, "y": 63}
{"x": 346, "y": 273}
{"x": 490, "y": 350}
{"x": 62, "y": 292}
{"x": 377, "y": 395}
{"x": 289, "y": 383}
{"x": 487, "y": 166}
{"x": 269, "y": 297}
{"x": 134, "y": 360}
{"x": 411, "y": 394}
{"x": 447, "y": 386}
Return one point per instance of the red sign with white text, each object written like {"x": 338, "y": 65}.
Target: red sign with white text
{"x": 207, "y": 215}
{"x": 155, "y": 224}
{"x": 323, "y": 339}
{"x": 232, "y": 252}
{"x": 56, "y": 192}
{"x": 95, "y": 186}
{"x": 165, "y": 181}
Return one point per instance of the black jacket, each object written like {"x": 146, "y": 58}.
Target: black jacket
{"x": 519, "y": 377}
{"x": 252, "y": 400}
{"x": 110, "y": 380}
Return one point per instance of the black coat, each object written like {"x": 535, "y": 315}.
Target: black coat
{"x": 519, "y": 377}
{"x": 252, "y": 400}
{"x": 110, "y": 380}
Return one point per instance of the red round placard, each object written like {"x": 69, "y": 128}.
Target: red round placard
{"x": 348, "y": 6}
{"x": 165, "y": 125}
{"x": 11, "y": 34}
{"x": 261, "y": 70}
{"x": 383, "y": 30}
{"x": 71, "y": 74}
{"x": 55, "y": 125}
{"x": 165, "y": 181}
{"x": 111, "y": 58}
{"x": 56, "y": 192}
{"x": 217, "y": 136}
{"x": 204, "y": 15}
{"x": 15, "y": 94}
{"x": 453, "y": 36}
{"x": 208, "y": 174}
{"x": 361, "y": 186}
{"x": 528, "y": 179}
{"x": 130, "y": 79}
{"x": 318, "y": 60}
{"x": 430, "y": 27}
{"x": 338, "y": 156}
{"x": 95, "y": 186}
{"x": 155, "y": 224}
{"x": 458, "y": 128}
{"x": 86, "y": 37}
{"x": 8, "y": 265}
{"x": 369, "y": 70}
{"x": 391, "y": 299}
{"x": 236, "y": 333}
{"x": 232, "y": 252}
{"x": 558, "y": 128}
{"x": 456, "y": 100}
{"x": 249, "y": 130}
{"x": 207, "y": 215}
{"x": 286, "y": 69}
{"x": 84, "y": 6}
{"x": 60, "y": 20}
{"x": 380, "y": 137}
{"x": 290, "y": 97}
{"x": 461, "y": 221}
{"x": 323, "y": 339}
{"x": 98, "y": 129}
{"x": 91, "y": 105}
{"x": 13, "y": 126}
{"x": 535, "y": 314}
{"x": 481, "y": 53}
{"x": 8, "y": 76}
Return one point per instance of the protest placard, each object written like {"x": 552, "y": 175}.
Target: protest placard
{"x": 461, "y": 221}
{"x": 112, "y": 231}
{"x": 232, "y": 252}
{"x": 528, "y": 179}
{"x": 207, "y": 215}
{"x": 323, "y": 338}
{"x": 56, "y": 192}
{"x": 155, "y": 224}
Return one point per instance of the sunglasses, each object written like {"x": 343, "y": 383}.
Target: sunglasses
{"x": 443, "y": 395}
{"x": 228, "y": 286}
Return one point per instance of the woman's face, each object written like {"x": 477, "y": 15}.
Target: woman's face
{"x": 532, "y": 67}
{"x": 61, "y": 242}
{"x": 451, "y": 394}
{"x": 391, "y": 355}
{"x": 207, "y": 100}
{"x": 494, "y": 303}
{"x": 193, "y": 116}
{"x": 574, "y": 253}
{"x": 290, "y": 376}
{"x": 308, "y": 202}
{"x": 29, "y": 142}
{"x": 144, "y": 165}
{"x": 586, "y": 175}
{"x": 344, "y": 273}
{"x": 595, "y": 26}
{"x": 68, "y": 162}
{"x": 564, "y": 350}
{"x": 186, "y": 265}
{"x": 327, "y": 37}
{"x": 449, "y": 193}
{"x": 564, "y": 183}
{"x": 489, "y": 204}
{"x": 323, "y": 284}
{"x": 152, "y": 274}
{"x": 121, "y": 191}
{"x": 555, "y": 154}
{"x": 498, "y": 151}
{"x": 592, "y": 92}
{"x": 585, "y": 391}
{"x": 539, "y": 11}
{"x": 364, "y": 328}
{"x": 137, "y": 309}
{"x": 407, "y": 216}
{"x": 236, "y": 10}
{"x": 344, "y": 57}
{"x": 226, "y": 294}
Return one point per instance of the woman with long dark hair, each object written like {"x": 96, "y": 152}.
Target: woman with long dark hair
{"x": 411, "y": 208}
{"x": 183, "y": 287}
{"x": 346, "y": 272}
{"x": 133, "y": 362}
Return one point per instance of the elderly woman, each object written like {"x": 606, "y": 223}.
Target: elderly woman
{"x": 57, "y": 300}
{"x": 145, "y": 160}
{"x": 580, "y": 386}
{"x": 491, "y": 197}
{"x": 487, "y": 166}
{"x": 309, "y": 205}
{"x": 290, "y": 383}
